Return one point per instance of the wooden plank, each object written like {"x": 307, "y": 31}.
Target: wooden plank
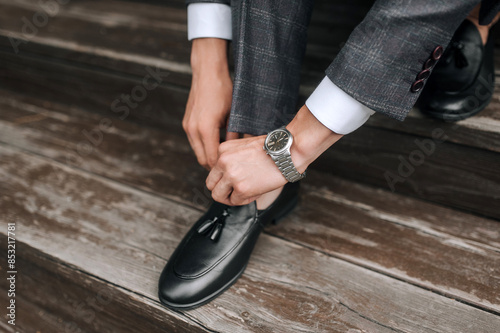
{"x": 454, "y": 175}
{"x": 96, "y": 91}
{"x": 445, "y": 177}
{"x": 126, "y": 26}
{"x": 122, "y": 236}
{"x": 370, "y": 227}
{"x": 54, "y": 297}
{"x": 481, "y": 131}
{"x": 93, "y": 33}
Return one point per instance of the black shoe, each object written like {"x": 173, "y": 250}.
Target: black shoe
{"x": 462, "y": 82}
{"x": 215, "y": 252}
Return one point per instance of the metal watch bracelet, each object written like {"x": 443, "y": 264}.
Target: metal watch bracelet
{"x": 285, "y": 165}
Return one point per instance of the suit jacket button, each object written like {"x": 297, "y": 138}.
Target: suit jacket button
{"x": 417, "y": 86}
{"x": 424, "y": 74}
{"x": 437, "y": 53}
{"x": 429, "y": 63}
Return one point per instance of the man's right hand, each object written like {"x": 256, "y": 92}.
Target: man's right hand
{"x": 209, "y": 101}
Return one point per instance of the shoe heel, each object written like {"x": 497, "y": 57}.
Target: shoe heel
{"x": 286, "y": 210}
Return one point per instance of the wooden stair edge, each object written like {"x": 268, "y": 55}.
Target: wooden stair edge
{"x": 86, "y": 302}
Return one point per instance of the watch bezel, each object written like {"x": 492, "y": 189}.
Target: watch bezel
{"x": 287, "y": 146}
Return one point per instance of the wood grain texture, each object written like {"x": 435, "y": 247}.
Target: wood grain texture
{"x": 450, "y": 252}
{"x": 454, "y": 175}
{"x": 122, "y": 236}
{"x": 95, "y": 91}
{"x": 55, "y": 297}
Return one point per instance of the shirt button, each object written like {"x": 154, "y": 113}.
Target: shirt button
{"x": 437, "y": 53}
{"x": 424, "y": 74}
{"x": 417, "y": 86}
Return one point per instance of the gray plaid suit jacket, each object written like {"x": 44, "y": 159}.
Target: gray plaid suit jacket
{"x": 378, "y": 65}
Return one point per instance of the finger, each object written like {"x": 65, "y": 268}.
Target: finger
{"x": 234, "y": 200}
{"x": 211, "y": 143}
{"x": 222, "y": 191}
{"x": 194, "y": 141}
{"x": 214, "y": 177}
{"x": 199, "y": 150}
{"x": 232, "y": 135}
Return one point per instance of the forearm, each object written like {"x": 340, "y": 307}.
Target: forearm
{"x": 209, "y": 56}
{"x": 310, "y": 138}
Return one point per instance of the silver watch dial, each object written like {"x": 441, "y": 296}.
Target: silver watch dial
{"x": 277, "y": 141}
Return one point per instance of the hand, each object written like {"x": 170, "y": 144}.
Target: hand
{"x": 244, "y": 171}
{"x": 209, "y": 99}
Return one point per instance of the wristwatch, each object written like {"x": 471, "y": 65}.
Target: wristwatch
{"x": 277, "y": 145}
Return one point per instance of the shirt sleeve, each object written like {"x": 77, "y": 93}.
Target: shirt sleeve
{"x": 337, "y": 110}
{"x": 209, "y": 20}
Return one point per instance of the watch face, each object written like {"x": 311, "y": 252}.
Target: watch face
{"x": 277, "y": 141}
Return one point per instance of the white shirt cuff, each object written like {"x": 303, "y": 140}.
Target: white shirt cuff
{"x": 337, "y": 110}
{"x": 209, "y": 20}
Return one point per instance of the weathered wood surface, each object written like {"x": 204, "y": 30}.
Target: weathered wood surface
{"x": 123, "y": 36}
{"x": 454, "y": 175}
{"x": 122, "y": 236}
{"x": 94, "y": 90}
{"x": 107, "y": 23}
{"x": 55, "y": 296}
{"x": 452, "y": 253}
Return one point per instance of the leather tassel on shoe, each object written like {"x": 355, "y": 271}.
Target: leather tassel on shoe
{"x": 458, "y": 55}
{"x": 213, "y": 228}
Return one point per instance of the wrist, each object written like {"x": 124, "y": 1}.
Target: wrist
{"x": 310, "y": 138}
{"x": 209, "y": 55}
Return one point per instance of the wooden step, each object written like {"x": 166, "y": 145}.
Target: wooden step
{"x": 340, "y": 262}
{"x": 91, "y": 70}
{"x": 108, "y": 243}
{"x": 429, "y": 247}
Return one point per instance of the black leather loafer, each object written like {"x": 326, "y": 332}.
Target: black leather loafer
{"x": 215, "y": 252}
{"x": 462, "y": 82}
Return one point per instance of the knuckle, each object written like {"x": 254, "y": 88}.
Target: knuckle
{"x": 224, "y": 160}
{"x": 240, "y": 188}
{"x": 191, "y": 128}
{"x": 232, "y": 173}
{"x": 223, "y": 147}
{"x": 212, "y": 161}
{"x": 204, "y": 131}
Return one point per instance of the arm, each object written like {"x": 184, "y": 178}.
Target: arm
{"x": 209, "y": 102}
{"x": 377, "y": 67}
{"x": 385, "y": 53}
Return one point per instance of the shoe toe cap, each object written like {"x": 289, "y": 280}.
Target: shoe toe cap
{"x": 179, "y": 293}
